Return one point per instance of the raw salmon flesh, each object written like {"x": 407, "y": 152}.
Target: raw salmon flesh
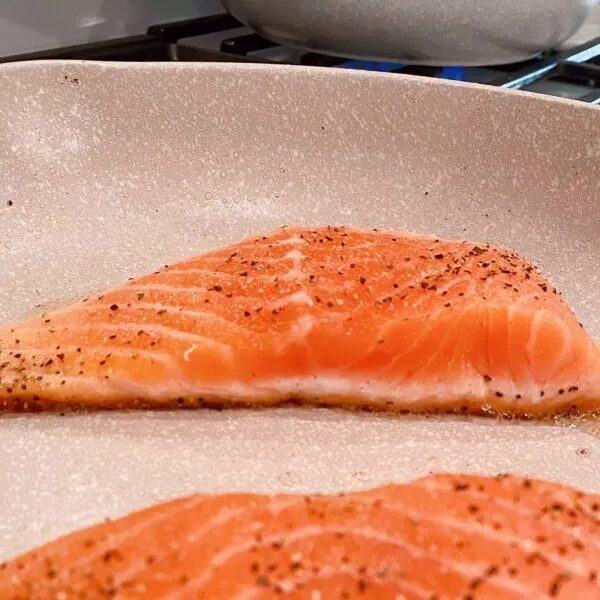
{"x": 330, "y": 315}
{"x": 441, "y": 537}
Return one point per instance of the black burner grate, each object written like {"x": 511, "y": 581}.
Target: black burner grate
{"x": 574, "y": 73}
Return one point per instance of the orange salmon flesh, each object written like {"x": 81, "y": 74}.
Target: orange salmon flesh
{"x": 331, "y": 315}
{"x": 441, "y": 537}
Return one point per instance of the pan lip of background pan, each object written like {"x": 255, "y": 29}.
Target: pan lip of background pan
{"x": 395, "y": 79}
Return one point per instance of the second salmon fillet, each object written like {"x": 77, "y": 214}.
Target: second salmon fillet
{"x": 443, "y": 537}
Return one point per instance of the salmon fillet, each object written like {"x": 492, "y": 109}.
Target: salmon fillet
{"x": 444, "y": 536}
{"x": 331, "y": 315}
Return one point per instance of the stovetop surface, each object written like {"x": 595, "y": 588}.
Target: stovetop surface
{"x": 573, "y": 73}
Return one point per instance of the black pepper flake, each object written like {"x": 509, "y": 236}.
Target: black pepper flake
{"x": 263, "y": 581}
{"x": 60, "y": 356}
{"x": 499, "y": 394}
{"x": 556, "y": 584}
{"x": 461, "y": 487}
{"x": 111, "y": 555}
{"x": 491, "y": 571}
{"x": 573, "y": 388}
{"x": 438, "y": 256}
{"x": 140, "y": 296}
{"x": 475, "y": 583}
{"x": 114, "y": 307}
{"x": 217, "y": 288}
{"x": 244, "y": 274}
{"x": 162, "y": 311}
{"x": 10, "y": 203}
{"x": 246, "y": 313}
{"x": 363, "y": 280}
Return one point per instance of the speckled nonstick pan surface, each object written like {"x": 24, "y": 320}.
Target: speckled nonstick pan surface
{"x": 107, "y": 171}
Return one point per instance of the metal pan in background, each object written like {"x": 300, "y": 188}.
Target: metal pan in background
{"x": 426, "y": 32}
{"x": 108, "y": 170}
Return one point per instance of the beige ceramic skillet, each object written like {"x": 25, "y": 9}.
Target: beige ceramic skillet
{"x": 437, "y": 32}
{"x": 108, "y": 170}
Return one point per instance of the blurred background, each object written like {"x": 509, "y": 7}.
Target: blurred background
{"x": 544, "y": 46}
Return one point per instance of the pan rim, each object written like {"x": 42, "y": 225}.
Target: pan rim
{"x": 330, "y": 72}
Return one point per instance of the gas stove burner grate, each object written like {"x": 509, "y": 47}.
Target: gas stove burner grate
{"x": 572, "y": 74}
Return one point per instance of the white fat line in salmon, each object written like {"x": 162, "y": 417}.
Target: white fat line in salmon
{"x": 467, "y": 570}
{"x": 224, "y": 517}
